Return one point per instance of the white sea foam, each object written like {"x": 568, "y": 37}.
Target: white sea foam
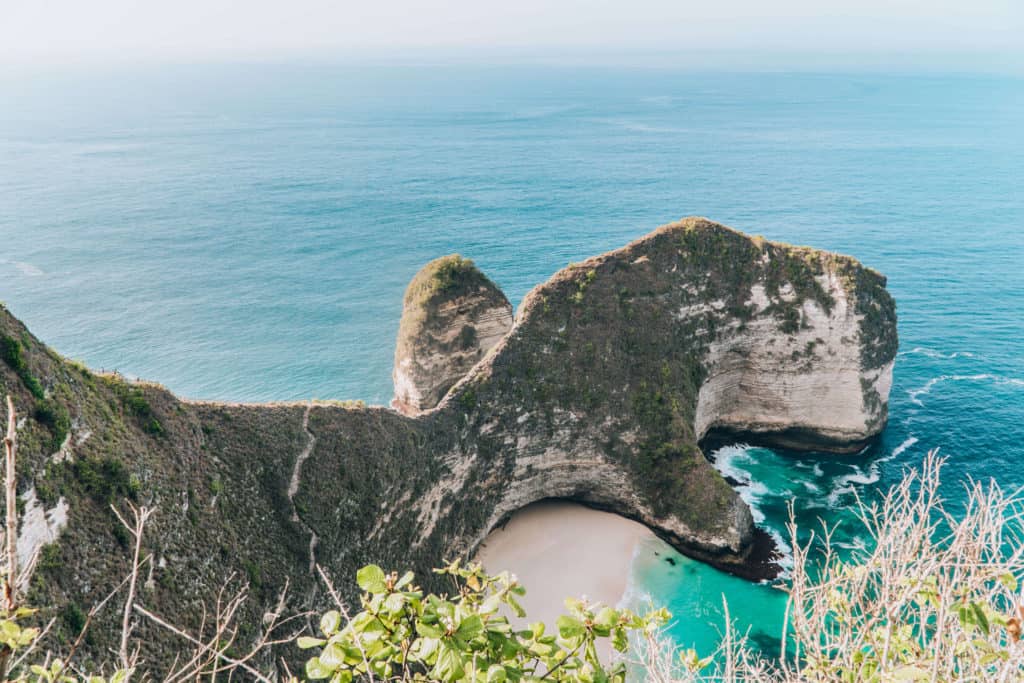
{"x": 916, "y": 394}
{"x": 848, "y": 484}
{"x": 639, "y": 127}
{"x": 910, "y": 441}
{"x": 25, "y": 268}
{"x": 634, "y": 595}
{"x": 835, "y": 498}
{"x": 931, "y": 353}
{"x": 728, "y": 461}
{"x": 28, "y": 269}
{"x": 859, "y": 477}
{"x": 528, "y": 113}
{"x": 785, "y": 553}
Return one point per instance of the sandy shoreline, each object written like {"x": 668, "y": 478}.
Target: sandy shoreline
{"x": 559, "y": 549}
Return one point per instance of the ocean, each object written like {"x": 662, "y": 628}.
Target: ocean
{"x": 245, "y": 232}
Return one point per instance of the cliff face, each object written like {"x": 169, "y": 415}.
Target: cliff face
{"x": 452, "y": 315}
{"x": 789, "y": 369}
{"x": 614, "y": 372}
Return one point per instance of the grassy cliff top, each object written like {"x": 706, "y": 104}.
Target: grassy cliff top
{"x": 447, "y": 277}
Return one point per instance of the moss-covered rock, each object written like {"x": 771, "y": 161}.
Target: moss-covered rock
{"x": 452, "y": 315}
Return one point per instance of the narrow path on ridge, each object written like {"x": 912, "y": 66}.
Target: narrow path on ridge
{"x": 293, "y": 487}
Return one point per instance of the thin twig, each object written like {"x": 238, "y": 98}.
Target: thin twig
{"x": 10, "y": 450}
{"x": 140, "y": 516}
{"x": 203, "y": 646}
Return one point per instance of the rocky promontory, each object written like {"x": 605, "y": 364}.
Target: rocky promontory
{"x": 452, "y": 315}
{"x": 602, "y": 390}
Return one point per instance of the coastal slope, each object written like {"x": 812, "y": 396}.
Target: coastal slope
{"x": 602, "y": 390}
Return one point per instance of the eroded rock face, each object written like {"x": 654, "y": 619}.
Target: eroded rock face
{"x": 452, "y": 315}
{"x": 613, "y": 374}
{"x": 806, "y": 389}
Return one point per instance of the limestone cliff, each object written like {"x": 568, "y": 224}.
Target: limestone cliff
{"x": 612, "y": 374}
{"x": 452, "y": 315}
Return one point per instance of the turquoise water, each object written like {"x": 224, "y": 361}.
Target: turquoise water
{"x": 246, "y": 233}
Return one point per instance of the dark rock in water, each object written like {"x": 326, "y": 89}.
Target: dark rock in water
{"x": 600, "y": 392}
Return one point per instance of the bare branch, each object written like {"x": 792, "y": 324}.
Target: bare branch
{"x": 11, "y": 487}
{"x": 140, "y": 516}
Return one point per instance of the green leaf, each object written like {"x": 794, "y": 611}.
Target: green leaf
{"x": 330, "y": 622}
{"x": 605, "y": 621}
{"x": 333, "y": 657}
{"x": 910, "y": 673}
{"x": 496, "y": 674}
{"x": 1010, "y": 581}
{"x": 620, "y": 640}
{"x": 470, "y": 627}
{"x": 371, "y": 579}
{"x": 428, "y": 630}
{"x": 404, "y": 581}
{"x": 570, "y": 627}
{"x": 607, "y": 617}
{"x": 491, "y": 604}
{"x": 316, "y": 671}
{"x": 394, "y": 602}
{"x": 427, "y": 647}
{"x": 449, "y": 664}
{"x": 516, "y": 607}
{"x": 979, "y": 615}
{"x": 305, "y": 642}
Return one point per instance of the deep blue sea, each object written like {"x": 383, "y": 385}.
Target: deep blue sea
{"x": 246, "y": 233}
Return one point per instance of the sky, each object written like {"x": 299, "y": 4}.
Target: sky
{"x": 69, "y": 32}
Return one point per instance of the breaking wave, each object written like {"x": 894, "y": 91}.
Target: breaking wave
{"x": 931, "y": 353}
{"x": 916, "y": 394}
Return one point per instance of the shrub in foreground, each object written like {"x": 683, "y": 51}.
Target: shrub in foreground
{"x": 402, "y": 634}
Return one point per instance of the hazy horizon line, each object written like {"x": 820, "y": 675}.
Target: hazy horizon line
{"x": 995, "y": 62}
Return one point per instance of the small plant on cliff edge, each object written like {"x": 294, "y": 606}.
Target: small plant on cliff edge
{"x": 12, "y": 353}
{"x": 402, "y": 634}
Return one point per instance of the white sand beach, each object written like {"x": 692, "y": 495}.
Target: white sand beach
{"x": 559, "y": 549}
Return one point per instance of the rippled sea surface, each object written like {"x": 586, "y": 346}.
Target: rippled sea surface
{"x": 246, "y": 233}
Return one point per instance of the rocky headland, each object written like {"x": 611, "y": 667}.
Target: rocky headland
{"x": 602, "y": 390}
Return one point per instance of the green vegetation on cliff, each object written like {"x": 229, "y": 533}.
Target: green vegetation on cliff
{"x": 934, "y": 598}
{"x": 593, "y": 396}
